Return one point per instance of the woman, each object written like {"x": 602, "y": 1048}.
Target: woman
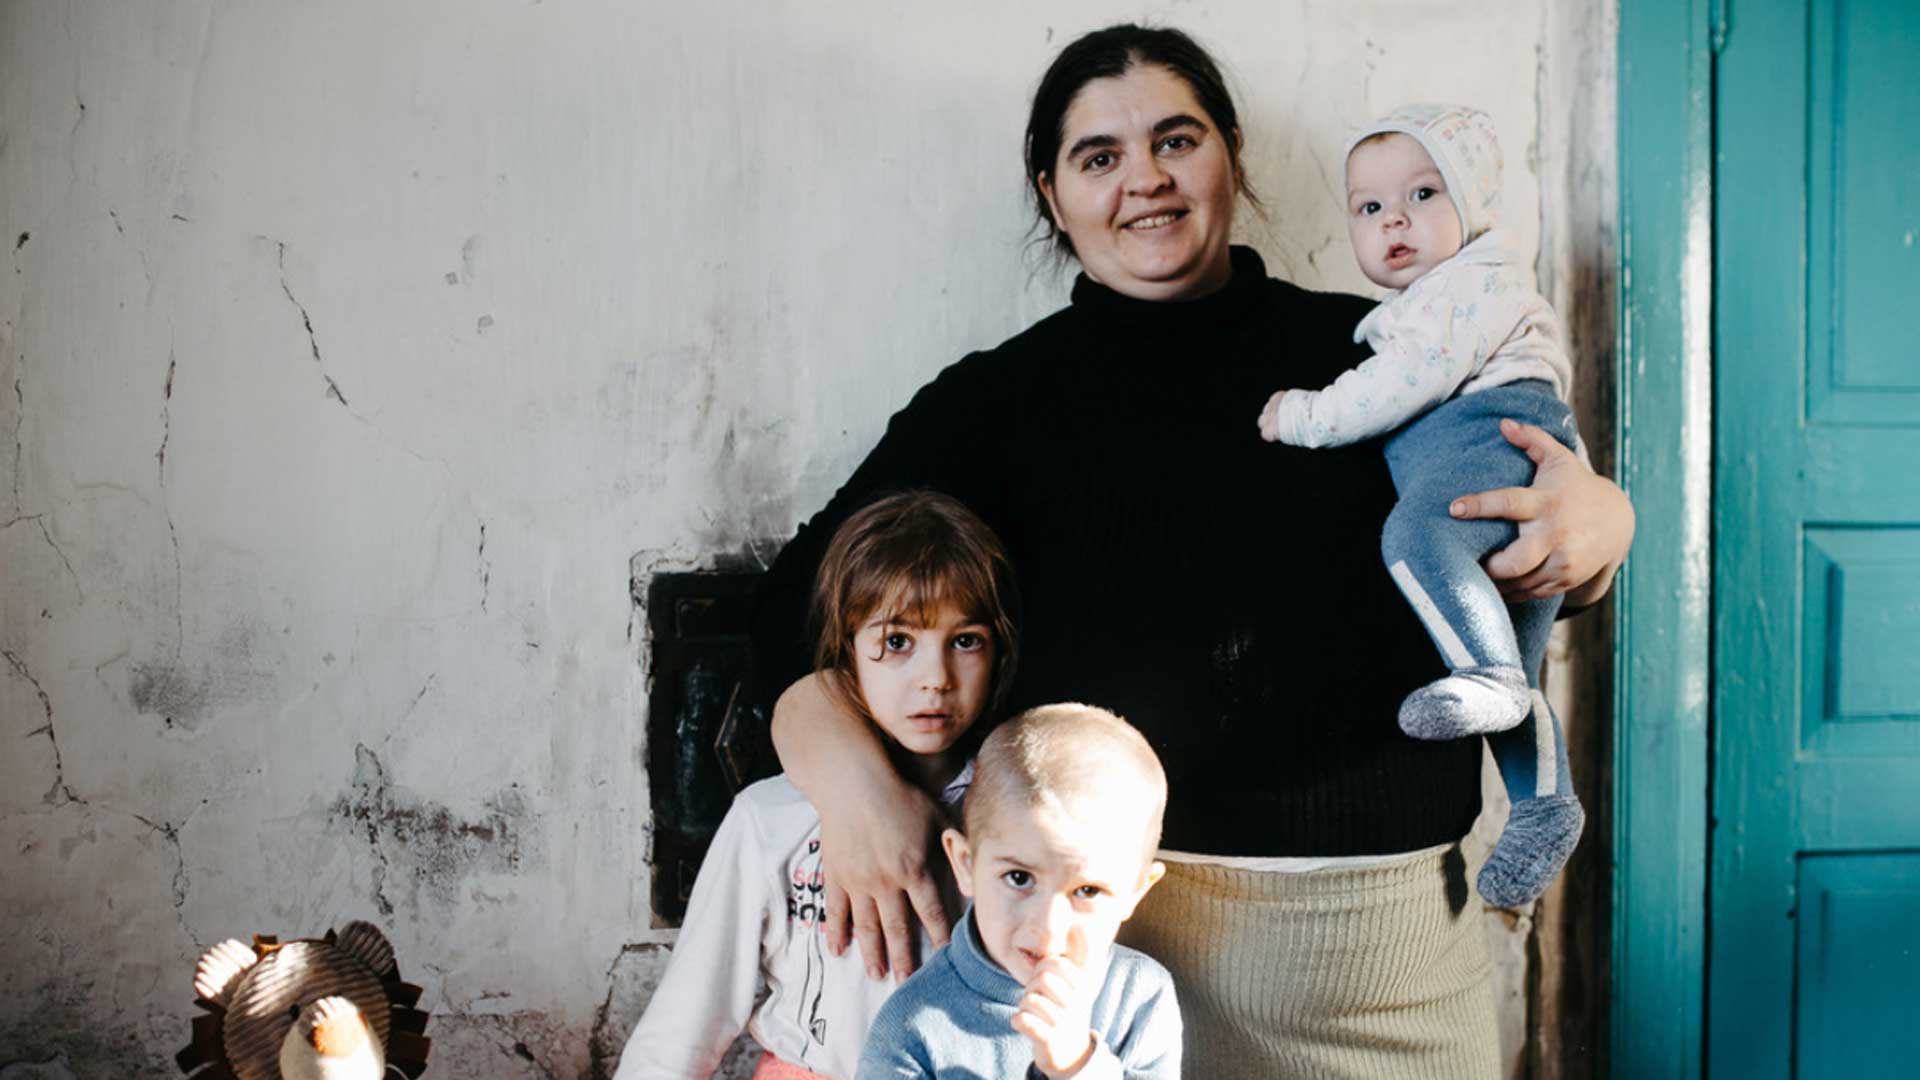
{"x": 1224, "y": 595}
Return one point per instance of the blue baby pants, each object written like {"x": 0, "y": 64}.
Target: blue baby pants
{"x": 1457, "y": 449}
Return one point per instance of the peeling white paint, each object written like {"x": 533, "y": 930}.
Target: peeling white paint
{"x": 347, "y": 361}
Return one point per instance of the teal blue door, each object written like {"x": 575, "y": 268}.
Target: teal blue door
{"x": 1814, "y": 885}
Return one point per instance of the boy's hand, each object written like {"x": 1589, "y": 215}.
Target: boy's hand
{"x": 1056, "y": 1014}
{"x": 1270, "y": 416}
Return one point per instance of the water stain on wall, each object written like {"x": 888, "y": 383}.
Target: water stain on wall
{"x": 425, "y": 844}
{"x": 185, "y": 692}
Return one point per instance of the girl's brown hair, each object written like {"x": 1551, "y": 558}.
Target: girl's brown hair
{"x": 903, "y": 557}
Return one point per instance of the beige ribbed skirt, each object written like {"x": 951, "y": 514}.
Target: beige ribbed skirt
{"x": 1379, "y": 972}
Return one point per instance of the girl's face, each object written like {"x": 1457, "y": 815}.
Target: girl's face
{"x": 1144, "y": 187}
{"x": 924, "y": 685}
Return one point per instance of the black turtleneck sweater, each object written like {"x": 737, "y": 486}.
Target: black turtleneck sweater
{"x": 1224, "y": 594}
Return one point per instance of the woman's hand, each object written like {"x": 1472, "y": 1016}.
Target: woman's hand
{"x": 875, "y": 829}
{"x": 1575, "y": 525}
{"x": 873, "y": 849}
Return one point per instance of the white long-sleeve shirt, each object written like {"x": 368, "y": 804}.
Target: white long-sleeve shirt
{"x": 756, "y": 914}
{"x": 1471, "y": 323}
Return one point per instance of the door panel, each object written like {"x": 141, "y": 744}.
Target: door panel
{"x": 1859, "y": 961}
{"x": 1815, "y": 883}
{"x": 1860, "y": 678}
{"x": 1864, "y": 247}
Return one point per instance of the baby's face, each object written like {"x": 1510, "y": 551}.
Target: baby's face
{"x": 1041, "y": 875}
{"x": 1399, "y": 215}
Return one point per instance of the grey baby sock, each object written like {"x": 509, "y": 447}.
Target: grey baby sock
{"x": 1471, "y": 701}
{"x": 1539, "y": 838}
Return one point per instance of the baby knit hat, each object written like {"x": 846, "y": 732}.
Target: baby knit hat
{"x": 1462, "y": 145}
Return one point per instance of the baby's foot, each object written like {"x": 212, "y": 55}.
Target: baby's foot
{"x": 1471, "y": 701}
{"x": 1539, "y": 838}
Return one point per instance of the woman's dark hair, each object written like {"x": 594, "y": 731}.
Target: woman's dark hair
{"x": 1110, "y": 53}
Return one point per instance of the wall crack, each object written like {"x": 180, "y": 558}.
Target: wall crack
{"x": 313, "y": 342}
{"x": 57, "y": 794}
{"x": 166, "y": 508}
{"x": 146, "y": 267}
{"x": 182, "y": 884}
{"x": 486, "y": 568}
{"x": 40, "y": 521}
{"x": 363, "y": 812}
{"x": 166, "y": 418}
{"x": 19, "y": 419}
{"x": 172, "y": 835}
{"x": 604, "y": 1041}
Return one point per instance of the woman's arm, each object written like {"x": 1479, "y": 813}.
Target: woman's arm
{"x": 1575, "y": 525}
{"x": 874, "y": 828}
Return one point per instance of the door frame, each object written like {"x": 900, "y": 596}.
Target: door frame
{"x": 1663, "y": 679}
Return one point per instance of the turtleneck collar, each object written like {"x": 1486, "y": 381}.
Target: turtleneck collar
{"x": 976, "y": 968}
{"x": 982, "y": 974}
{"x": 1235, "y": 298}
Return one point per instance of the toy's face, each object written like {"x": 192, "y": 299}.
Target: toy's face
{"x": 329, "y": 1039}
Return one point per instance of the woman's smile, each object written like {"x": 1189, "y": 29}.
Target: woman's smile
{"x": 1156, "y": 220}
{"x": 1144, "y": 186}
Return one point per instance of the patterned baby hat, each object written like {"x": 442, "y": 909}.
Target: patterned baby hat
{"x": 1462, "y": 145}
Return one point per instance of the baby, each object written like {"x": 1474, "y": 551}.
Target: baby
{"x": 1460, "y": 343}
{"x": 912, "y": 608}
{"x": 1062, "y": 822}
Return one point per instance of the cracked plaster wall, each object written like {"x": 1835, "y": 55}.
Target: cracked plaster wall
{"x": 348, "y": 352}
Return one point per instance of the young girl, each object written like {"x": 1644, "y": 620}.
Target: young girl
{"x": 911, "y": 610}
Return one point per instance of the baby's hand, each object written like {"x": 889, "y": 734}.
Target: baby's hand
{"x": 1056, "y": 1014}
{"x": 1270, "y": 416}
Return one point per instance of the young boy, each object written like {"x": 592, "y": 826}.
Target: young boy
{"x": 1462, "y": 344}
{"x": 1061, "y": 826}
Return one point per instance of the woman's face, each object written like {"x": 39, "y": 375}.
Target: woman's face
{"x": 1143, "y": 186}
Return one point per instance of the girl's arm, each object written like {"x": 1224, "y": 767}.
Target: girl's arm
{"x": 704, "y": 1000}
{"x": 875, "y": 829}
{"x": 1575, "y": 525}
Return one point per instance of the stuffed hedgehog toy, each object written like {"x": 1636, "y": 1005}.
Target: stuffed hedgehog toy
{"x": 329, "y": 1008}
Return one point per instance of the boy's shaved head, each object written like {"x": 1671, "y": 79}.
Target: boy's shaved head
{"x": 1061, "y": 757}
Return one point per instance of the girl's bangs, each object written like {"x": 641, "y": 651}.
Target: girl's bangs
{"x": 915, "y": 595}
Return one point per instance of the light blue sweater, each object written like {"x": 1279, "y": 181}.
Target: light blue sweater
{"x": 953, "y": 1021}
